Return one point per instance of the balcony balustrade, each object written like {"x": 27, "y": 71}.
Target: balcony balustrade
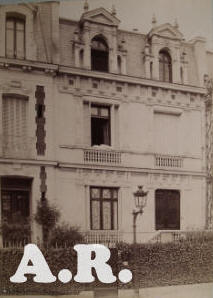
{"x": 168, "y": 161}
{"x": 102, "y": 156}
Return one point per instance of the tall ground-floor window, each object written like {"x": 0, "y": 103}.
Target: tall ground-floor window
{"x": 15, "y": 200}
{"x": 103, "y": 208}
{"x": 167, "y": 209}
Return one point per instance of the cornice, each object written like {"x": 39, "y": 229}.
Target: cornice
{"x": 55, "y": 70}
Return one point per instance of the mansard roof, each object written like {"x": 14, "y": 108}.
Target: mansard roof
{"x": 100, "y": 16}
{"x": 166, "y": 31}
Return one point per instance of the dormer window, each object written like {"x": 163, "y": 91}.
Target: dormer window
{"x": 15, "y": 37}
{"x": 165, "y": 66}
{"x": 99, "y": 54}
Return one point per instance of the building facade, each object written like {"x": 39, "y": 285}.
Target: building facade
{"x": 90, "y": 111}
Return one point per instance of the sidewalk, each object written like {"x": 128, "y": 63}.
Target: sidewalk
{"x": 185, "y": 291}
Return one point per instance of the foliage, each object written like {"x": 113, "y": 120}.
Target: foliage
{"x": 199, "y": 236}
{"x": 47, "y": 215}
{"x": 65, "y": 236}
{"x": 152, "y": 265}
{"x": 15, "y": 232}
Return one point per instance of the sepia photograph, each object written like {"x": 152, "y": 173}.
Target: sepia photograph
{"x": 106, "y": 148}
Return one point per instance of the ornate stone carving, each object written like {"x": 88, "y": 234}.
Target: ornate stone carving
{"x": 40, "y": 120}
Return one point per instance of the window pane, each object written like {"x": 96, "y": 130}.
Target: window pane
{"x": 104, "y": 209}
{"x": 10, "y": 43}
{"x": 115, "y": 193}
{"x": 167, "y": 204}
{"x": 99, "y": 45}
{"x": 10, "y": 24}
{"x": 20, "y": 44}
{"x": 5, "y": 203}
{"x": 115, "y": 215}
{"x": 167, "y": 74}
{"x": 95, "y": 193}
{"x": 95, "y": 215}
{"x": 106, "y": 193}
{"x": 104, "y": 112}
{"x": 94, "y": 111}
{"x": 14, "y": 123}
{"x": 161, "y": 71}
{"x": 106, "y": 215}
{"x": 20, "y": 25}
{"x": 106, "y": 132}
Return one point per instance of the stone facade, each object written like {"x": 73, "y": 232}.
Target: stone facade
{"x": 157, "y": 129}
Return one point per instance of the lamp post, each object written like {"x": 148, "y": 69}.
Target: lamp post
{"x": 140, "y": 197}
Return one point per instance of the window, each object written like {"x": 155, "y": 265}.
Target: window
{"x": 167, "y": 209}
{"x": 165, "y": 66}
{"x": 151, "y": 70}
{"x": 99, "y": 54}
{"x": 119, "y": 64}
{"x": 14, "y": 123}
{"x": 15, "y": 37}
{"x": 100, "y": 125}
{"x": 103, "y": 208}
{"x": 81, "y": 58}
{"x": 167, "y": 134}
{"x": 15, "y": 202}
{"x": 181, "y": 75}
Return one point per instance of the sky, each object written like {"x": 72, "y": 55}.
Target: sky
{"x": 195, "y": 17}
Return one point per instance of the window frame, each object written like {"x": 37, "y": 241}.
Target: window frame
{"x": 177, "y": 196}
{"x": 99, "y": 116}
{"x": 13, "y": 187}
{"x": 96, "y": 43}
{"x": 101, "y": 208}
{"x": 163, "y": 56}
{"x": 15, "y": 20}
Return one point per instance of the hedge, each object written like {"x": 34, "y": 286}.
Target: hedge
{"x": 152, "y": 265}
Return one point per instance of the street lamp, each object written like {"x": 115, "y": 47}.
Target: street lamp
{"x": 140, "y": 197}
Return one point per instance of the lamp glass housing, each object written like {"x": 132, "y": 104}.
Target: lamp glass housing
{"x": 140, "y": 197}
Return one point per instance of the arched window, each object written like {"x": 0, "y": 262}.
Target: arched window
{"x": 99, "y": 54}
{"x": 15, "y": 36}
{"x": 165, "y": 66}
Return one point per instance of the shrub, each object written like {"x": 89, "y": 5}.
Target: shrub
{"x": 15, "y": 232}
{"x": 65, "y": 236}
{"x": 47, "y": 216}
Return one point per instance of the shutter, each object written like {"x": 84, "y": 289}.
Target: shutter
{"x": 167, "y": 211}
{"x": 10, "y": 28}
{"x": 20, "y": 42}
{"x": 166, "y": 133}
{"x": 14, "y": 122}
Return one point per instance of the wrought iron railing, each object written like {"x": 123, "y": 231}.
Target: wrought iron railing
{"x": 108, "y": 238}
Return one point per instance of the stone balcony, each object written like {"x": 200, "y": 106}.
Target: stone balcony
{"x": 168, "y": 161}
{"x": 102, "y": 157}
{"x": 110, "y": 157}
{"x": 13, "y": 146}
